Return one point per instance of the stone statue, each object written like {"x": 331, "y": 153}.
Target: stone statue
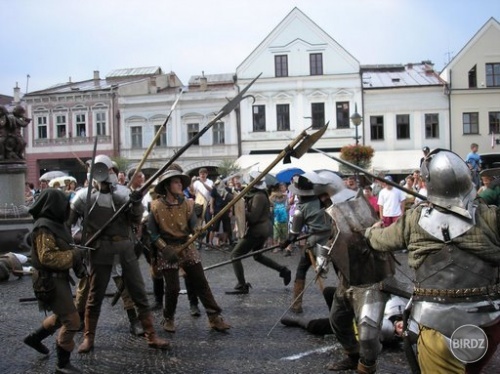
{"x": 12, "y": 143}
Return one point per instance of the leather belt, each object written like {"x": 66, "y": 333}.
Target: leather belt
{"x": 458, "y": 292}
{"x": 114, "y": 238}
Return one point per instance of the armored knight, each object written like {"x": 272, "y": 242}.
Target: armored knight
{"x": 310, "y": 212}
{"x": 453, "y": 244}
{"x": 361, "y": 272}
{"x": 116, "y": 239}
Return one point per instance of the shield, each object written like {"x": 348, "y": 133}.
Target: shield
{"x": 285, "y": 175}
{"x": 48, "y": 176}
{"x": 351, "y": 255}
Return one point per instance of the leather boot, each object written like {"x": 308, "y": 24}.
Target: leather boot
{"x": 63, "y": 364}
{"x": 240, "y": 289}
{"x": 365, "y": 369}
{"x": 298, "y": 288}
{"x": 286, "y": 274}
{"x": 217, "y": 323}
{"x": 168, "y": 324}
{"x": 135, "y": 325}
{"x": 34, "y": 340}
{"x": 348, "y": 363}
{"x": 292, "y": 321}
{"x": 149, "y": 332}
{"x": 89, "y": 334}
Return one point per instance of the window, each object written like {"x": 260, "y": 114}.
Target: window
{"x": 283, "y": 117}
{"x": 432, "y": 125}
{"x": 493, "y": 75}
{"x": 316, "y": 63}
{"x": 100, "y": 123}
{"x": 259, "y": 118}
{"x": 193, "y": 130}
{"x": 162, "y": 140}
{"x": 136, "y": 136}
{"x": 318, "y": 115}
{"x": 80, "y": 125}
{"x": 342, "y": 114}
{"x": 218, "y": 133}
{"x": 281, "y": 66}
{"x": 494, "y": 118}
{"x": 41, "y": 123}
{"x": 403, "y": 126}
{"x": 473, "y": 77}
{"x": 61, "y": 126}
{"x": 470, "y": 123}
{"x": 377, "y": 127}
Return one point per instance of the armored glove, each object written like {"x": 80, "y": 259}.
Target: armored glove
{"x": 136, "y": 197}
{"x": 167, "y": 253}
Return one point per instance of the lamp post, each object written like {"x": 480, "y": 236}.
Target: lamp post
{"x": 356, "y": 121}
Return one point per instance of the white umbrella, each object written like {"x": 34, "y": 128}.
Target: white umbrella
{"x": 48, "y": 176}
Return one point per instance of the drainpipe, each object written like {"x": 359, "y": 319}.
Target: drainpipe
{"x": 362, "y": 105}
{"x": 449, "y": 114}
{"x": 238, "y": 118}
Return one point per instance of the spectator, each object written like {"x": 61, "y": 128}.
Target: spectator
{"x": 391, "y": 203}
{"x": 377, "y": 185}
{"x": 279, "y": 207}
{"x": 426, "y": 151}
{"x": 473, "y": 160}
{"x": 373, "y": 200}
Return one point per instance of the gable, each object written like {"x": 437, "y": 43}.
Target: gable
{"x": 297, "y": 36}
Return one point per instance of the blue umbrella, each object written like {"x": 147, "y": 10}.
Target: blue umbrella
{"x": 285, "y": 175}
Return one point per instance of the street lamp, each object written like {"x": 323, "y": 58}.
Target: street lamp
{"x": 356, "y": 121}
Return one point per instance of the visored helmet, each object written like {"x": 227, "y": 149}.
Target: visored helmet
{"x": 102, "y": 164}
{"x": 449, "y": 183}
{"x": 261, "y": 185}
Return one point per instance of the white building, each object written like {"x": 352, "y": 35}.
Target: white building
{"x": 473, "y": 77}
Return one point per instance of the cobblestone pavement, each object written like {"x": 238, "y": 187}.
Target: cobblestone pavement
{"x": 247, "y": 348}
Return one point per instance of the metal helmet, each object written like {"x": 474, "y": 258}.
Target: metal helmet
{"x": 4, "y": 272}
{"x": 261, "y": 185}
{"x": 449, "y": 183}
{"x": 102, "y": 164}
{"x": 161, "y": 187}
{"x": 335, "y": 187}
{"x": 303, "y": 184}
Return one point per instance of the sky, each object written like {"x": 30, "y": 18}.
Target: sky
{"x": 53, "y": 40}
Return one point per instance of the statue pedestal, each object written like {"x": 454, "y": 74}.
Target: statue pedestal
{"x": 15, "y": 221}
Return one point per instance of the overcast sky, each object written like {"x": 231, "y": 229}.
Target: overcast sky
{"x": 52, "y": 40}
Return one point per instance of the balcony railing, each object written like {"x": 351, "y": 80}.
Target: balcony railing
{"x": 70, "y": 141}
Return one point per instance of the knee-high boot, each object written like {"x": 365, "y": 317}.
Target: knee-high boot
{"x": 63, "y": 363}
{"x": 89, "y": 334}
{"x": 34, "y": 340}
{"x": 298, "y": 289}
{"x": 149, "y": 332}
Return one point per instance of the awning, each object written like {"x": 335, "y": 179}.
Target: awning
{"x": 308, "y": 162}
{"x": 390, "y": 162}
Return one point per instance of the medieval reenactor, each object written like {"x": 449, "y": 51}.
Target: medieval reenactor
{"x": 309, "y": 212}
{"x": 453, "y": 243}
{"x": 171, "y": 222}
{"x": 117, "y": 239}
{"x": 52, "y": 258}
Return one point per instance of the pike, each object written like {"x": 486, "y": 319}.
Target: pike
{"x": 298, "y": 147}
{"x": 155, "y": 139}
{"x": 366, "y": 172}
{"x": 226, "y": 109}
{"x": 251, "y": 254}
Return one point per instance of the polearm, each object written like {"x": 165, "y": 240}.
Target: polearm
{"x": 155, "y": 139}
{"x": 226, "y": 109}
{"x": 250, "y": 254}
{"x": 89, "y": 192}
{"x": 299, "y": 146}
{"x": 366, "y": 172}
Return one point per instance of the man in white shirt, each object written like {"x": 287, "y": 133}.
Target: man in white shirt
{"x": 201, "y": 188}
{"x": 391, "y": 202}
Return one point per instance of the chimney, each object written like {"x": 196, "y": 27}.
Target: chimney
{"x": 96, "y": 75}
{"x": 203, "y": 82}
{"x": 17, "y": 94}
